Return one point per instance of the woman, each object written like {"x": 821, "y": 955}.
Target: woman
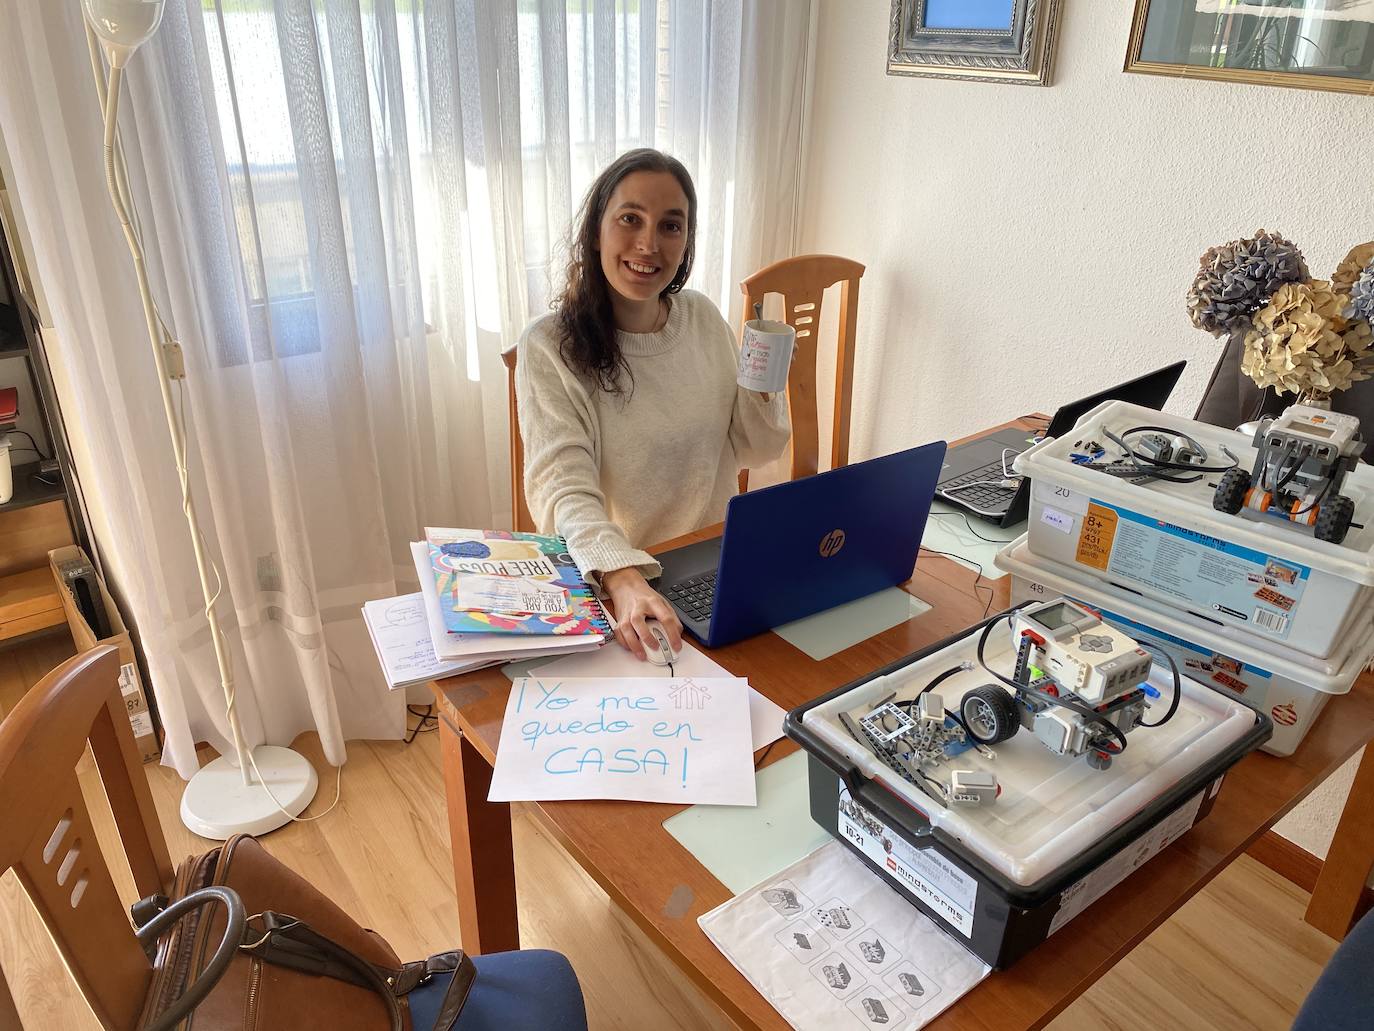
{"x": 633, "y": 425}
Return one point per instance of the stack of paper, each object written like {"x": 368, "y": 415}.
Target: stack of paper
{"x": 486, "y": 596}
{"x": 400, "y": 634}
{"x": 488, "y": 633}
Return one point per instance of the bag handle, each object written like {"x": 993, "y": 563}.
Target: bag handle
{"x": 287, "y": 942}
{"x": 235, "y": 921}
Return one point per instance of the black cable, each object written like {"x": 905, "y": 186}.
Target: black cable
{"x": 425, "y": 717}
{"x": 939, "y": 515}
{"x": 1067, "y": 702}
{"x": 1178, "y": 686}
{"x": 992, "y": 591}
{"x": 761, "y": 759}
{"x": 938, "y": 681}
{"x": 943, "y": 797}
{"x": 34, "y": 449}
{"x": 1321, "y": 495}
{"x": 1161, "y": 464}
{"x": 1286, "y": 478}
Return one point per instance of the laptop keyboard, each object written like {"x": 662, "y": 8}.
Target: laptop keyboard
{"x": 694, "y": 596}
{"x": 988, "y": 496}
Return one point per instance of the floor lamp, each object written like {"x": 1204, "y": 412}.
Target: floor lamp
{"x": 259, "y": 789}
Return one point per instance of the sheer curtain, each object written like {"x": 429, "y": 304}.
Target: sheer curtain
{"x": 350, "y": 208}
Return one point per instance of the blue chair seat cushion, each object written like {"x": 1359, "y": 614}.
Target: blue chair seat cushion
{"x": 529, "y": 990}
{"x": 1342, "y": 1000}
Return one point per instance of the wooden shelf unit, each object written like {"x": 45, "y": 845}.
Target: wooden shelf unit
{"x": 29, "y": 602}
{"x": 41, "y": 515}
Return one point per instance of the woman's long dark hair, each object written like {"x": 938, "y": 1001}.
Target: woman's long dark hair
{"x": 584, "y": 312}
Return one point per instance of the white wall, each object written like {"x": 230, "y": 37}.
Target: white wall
{"x": 1026, "y": 246}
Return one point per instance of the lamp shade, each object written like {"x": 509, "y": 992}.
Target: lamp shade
{"x": 122, "y": 25}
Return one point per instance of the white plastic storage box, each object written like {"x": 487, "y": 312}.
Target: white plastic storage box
{"x": 1001, "y": 878}
{"x": 1292, "y": 688}
{"x": 1268, "y": 579}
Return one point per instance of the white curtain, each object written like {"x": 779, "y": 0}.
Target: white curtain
{"x": 349, "y": 209}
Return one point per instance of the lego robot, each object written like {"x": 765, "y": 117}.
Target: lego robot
{"x": 913, "y": 738}
{"x": 1079, "y": 685}
{"x": 1302, "y": 460}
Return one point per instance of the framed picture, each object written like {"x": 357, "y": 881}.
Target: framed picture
{"x": 1312, "y": 44}
{"x": 982, "y": 40}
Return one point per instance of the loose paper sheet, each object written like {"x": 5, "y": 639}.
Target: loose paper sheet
{"x": 681, "y": 739}
{"x": 400, "y": 634}
{"x": 614, "y": 660}
{"x": 831, "y": 947}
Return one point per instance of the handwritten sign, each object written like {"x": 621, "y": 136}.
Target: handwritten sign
{"x": 683, "y": 739}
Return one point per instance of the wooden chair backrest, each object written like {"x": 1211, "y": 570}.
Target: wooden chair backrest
{"x": 47, "y": 838}
{"x": 802, "y": 282}
{"x": 521, "y": 519}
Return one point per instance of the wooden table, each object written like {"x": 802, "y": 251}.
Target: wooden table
{"x": 663, "y": 888}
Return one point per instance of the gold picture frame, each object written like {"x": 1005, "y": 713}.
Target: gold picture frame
{"x": 1261, "y": 42}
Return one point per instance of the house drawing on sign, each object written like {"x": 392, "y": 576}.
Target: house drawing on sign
{"x": 689, "y": 695}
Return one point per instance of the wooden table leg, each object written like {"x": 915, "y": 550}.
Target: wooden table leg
{"x": 1349, "y": 859}
{"x": 483, "y": 856}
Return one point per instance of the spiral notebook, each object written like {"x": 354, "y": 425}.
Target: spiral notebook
{"x": 499, "y": 592}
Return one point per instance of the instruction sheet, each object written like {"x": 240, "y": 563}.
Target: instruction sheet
{"x": 831, "y": 946}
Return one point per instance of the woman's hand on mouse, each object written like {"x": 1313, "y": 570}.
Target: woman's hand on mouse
{"x": 635, "y": 602}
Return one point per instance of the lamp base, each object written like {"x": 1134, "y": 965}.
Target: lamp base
{"x": 218, "y": 804}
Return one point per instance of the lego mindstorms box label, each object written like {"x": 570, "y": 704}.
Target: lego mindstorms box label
{"x": 1256, "y": 589}
{"x": 929, "y": 876}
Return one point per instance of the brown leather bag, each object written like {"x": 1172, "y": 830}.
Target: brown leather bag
{"x": 274, "y": 953}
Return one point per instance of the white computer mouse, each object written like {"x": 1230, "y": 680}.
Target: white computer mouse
{"x": 664, "y": 656}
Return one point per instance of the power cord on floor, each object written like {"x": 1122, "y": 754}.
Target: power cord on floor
{"x": 428, "y": 720}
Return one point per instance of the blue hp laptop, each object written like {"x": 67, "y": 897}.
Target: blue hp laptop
{"x": 804, "y": 546}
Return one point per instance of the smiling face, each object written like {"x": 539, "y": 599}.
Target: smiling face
{"x": 643, "y": 236}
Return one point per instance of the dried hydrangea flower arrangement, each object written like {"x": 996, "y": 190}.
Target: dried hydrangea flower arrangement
{"x": 1303, "y": 336}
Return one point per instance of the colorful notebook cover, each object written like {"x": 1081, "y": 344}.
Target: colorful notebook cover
{"x": 459, "y": 557}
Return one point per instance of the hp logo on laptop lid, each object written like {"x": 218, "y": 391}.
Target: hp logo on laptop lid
{"x": 831, "y": 543}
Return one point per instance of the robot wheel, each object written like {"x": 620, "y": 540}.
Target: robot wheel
{"x": 1231, "y": 491}
{"x": 990, "y": 714}
{"x": 1333, "y": 519}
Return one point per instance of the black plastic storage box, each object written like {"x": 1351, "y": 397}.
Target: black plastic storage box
{"x": 976, "y": 902}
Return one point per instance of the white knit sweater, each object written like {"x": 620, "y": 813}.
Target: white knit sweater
{"x": 616, "y": 474}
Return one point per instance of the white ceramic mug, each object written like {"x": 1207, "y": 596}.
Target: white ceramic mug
{"x": 765, "y": 355}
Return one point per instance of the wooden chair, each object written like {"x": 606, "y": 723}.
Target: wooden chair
{"x": 47, "y": 837}
{"x": 802, "y": 282}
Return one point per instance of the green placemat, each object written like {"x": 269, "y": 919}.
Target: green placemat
{"x": 844, "y": 626}
{"x": 743, "y": 846}
{"x": 522, "y": 667}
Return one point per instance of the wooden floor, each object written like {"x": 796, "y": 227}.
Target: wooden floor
{"x": 1237, "y": 957}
